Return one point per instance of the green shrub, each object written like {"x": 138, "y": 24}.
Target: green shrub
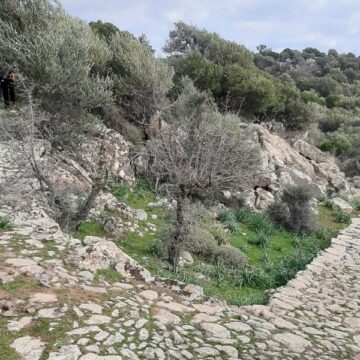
{"x": 119, "y": 190}
{"x": 337, "y": 144}
{"x": 262, "y": 239}
{"x": 229, "y": 256}
{"x": 356, "y": 204}
{"x": 256, "y": 278}
{"x": 326, "y": 234}
{"x": 279, "y": 213}
{"x": 326, "y": 202}
{"x": 59, "y": 55}
{"x": 232, "y": 227}
{"x": 5, "y": 223}
{"x": 259, "y": 222}
{"x": 341, "y": 216}
{"x": 330, "y": 124}
{"x": 220, "y": 235}
{"x": 294, "y": 212}
{"x": 226, "y": 216}
{"x": 201, "y": 243}
{"x": 292, "y": 264}
{"x": 242, "y": 215}
{"x": 132, "y": 133}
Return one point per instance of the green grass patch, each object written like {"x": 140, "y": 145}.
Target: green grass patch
{"x": 20, "y": 283}
{"x": 5, "y": 223}
{"x": 90, "y": 228}
{"x": 109, "y": 275}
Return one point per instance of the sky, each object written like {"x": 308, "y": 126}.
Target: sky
{"x": 279, "y": 24}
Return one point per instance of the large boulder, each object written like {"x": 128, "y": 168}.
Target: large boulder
{"x": 342, "y": 205}
{"x": 104, "y": 254}
{"x": 283, "y": 164}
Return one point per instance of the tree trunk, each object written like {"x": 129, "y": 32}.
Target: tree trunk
{"x": 182, "y": 230}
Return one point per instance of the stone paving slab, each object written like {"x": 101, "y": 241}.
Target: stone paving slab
{"x": 315, "y": 316}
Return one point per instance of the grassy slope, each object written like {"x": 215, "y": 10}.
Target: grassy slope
{"x": 270, "y": 266}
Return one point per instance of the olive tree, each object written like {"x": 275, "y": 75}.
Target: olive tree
{"x": 199, "y": 150}
{"x": 141, "y": 81}
{"x": 58, "y": 54}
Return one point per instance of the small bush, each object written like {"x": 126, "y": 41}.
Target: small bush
{"x": 220, "y": 235}
{"x": 229, "y": 256}
{"x": 326, "y": 202}
{"x": 292, "y": 264}
{"x": 279, "y": 214}
{"x": 226, "y": 216}
{"x": 256, "y": 278}
{"x": 242, "y": 215}
{"x": 356, "y": 204}
{"x": 326, "y": 234}
{"x": 341, "y": 216}
{"x": 5, "y": 223}
{"x": 262, "y": 239}
{"x": 132, "y": 133}
{"x": 294, "y": 211}
{"x": 232, "y": 227}
{"x": 201, "y": 243}
{"x": 120, "y": 191}
{"x": 260, "y": 223}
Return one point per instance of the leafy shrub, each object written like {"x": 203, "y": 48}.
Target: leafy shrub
{"x": 256, "y": 278}
{"x": 341, "y": 216}
{"x": 119, "y": 190}
{"x": 337, "y": 144}
{"x": 295, "y": 211}
{"x": 330, "y": 124}
{"x": 326, "y": 234}
{"x": 201, "y": 243}
{"x": 356, "y": 204}
{"x": 278, "y": 213}
{"x": 232, "y": 227}
{"x": 226, "y": 216}
{"x": 141, "y": 81}
{"x": 229, "y": 256}
{"x": 242, "y": 215}
{"x": 259, "y": 222}
{"x": 220, "y": 235}
{"x": 262, "y": 239}
{"x": 5, "y": 223}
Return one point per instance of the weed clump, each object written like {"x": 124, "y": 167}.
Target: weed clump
{"x": 294, "y": 210}
{"x": 5, "y": 223}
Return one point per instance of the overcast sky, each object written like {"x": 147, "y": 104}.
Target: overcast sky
{"x": 279, "y": 24}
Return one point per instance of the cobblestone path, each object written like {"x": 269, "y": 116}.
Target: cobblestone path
{"x": 61, "y": 312}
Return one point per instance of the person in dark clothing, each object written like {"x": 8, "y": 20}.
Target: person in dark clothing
{"x": 4, "y": 80}
{"x": 5, "y": 91}
{"x": 7, "y": 80}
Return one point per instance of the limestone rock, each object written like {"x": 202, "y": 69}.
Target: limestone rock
{"x": 103, "y": 254}
{"x": 28, "y": 347}
{"x": 342, "y": 205}
{"x": 215, "y": 330}
{"x": 293, "y": 342}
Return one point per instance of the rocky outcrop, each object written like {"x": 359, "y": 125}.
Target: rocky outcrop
{"x": 283, "y": 164}
{"x": 102, "y": 254}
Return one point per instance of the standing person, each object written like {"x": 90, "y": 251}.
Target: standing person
{"x": 4, "y": 79}
{"x": 12, "y": 83}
